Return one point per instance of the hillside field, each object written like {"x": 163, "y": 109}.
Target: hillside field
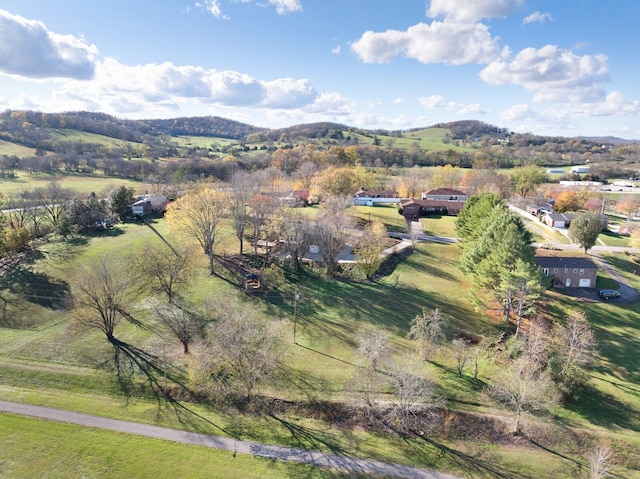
{"x": 55, "y": 362}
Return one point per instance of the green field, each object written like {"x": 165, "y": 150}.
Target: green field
{"x": 13, "y": 149}
{"x": 83, "y": 184}
{"x": 32, "y": 448}
{"x": 55, "y": 362}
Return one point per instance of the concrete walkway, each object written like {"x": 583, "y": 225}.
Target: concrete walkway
{"x": 319, "y": 459}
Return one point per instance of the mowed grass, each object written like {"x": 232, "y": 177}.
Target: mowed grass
{"x": 386, "y": 214}
{"x": 57, "y": 363}
{"x": 32, "y": 448}
{"x": 84, "y": 184}
{"x": 440, "y": 226}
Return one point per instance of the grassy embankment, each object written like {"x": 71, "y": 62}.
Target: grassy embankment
{"x": 55, "y": 362}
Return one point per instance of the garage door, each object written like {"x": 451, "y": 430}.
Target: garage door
{"x": 558, "y": 224}
{"x": 585, "y": 283}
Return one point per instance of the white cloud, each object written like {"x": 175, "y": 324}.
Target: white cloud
{"x": 439, "y": 42}
{"x": 518, "y": 113}
{"x": 235, "y": 88}
{"x": 289, "y": 93}
{"x": 470, "y": 11}
{"x": 164, "y": 88}
{"x": 213, "y": 7}
{"x": 398, "y": 100}
{"x": 336, "y": 50}
{"x": 371, "y": 120}
{"x": 437, "y": 102}
{"x": 332, "y": 104}
{"x": 571, "y": 118}
{"x": 29, "y": 50}
{"x": 286, "y": 6}
{"x": 552, "y": 74}
{"x": 537, "y": 17}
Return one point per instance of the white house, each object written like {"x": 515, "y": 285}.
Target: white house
{"x": 580, "y": 169}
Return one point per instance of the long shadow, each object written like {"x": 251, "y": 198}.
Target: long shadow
{"x": 473, "y": 466}
{"x": 327, "y": 355}
{"x": 158, "y": 234}
{"x": 623, "y": 387}
{"x": 309, "y": 439}
{"x": 129, "y": 360}
{"x": 35, "y": 287}
{"x": 605, "y": 410}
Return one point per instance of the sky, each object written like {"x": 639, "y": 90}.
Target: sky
{"x": 548, "y": 67}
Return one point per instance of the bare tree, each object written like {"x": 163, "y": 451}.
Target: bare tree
{"x": 263, "y": 209}
{"x": 537, "y": 341}
{"x": 374, "y": 347}
{"x": 162, "y": 270}
{"x": 242, "y": 351}
{"x": 523, "y": 387}
{"x": 413, "y": 392}
{"x": 305, "y": 173}
{"x": 365, "y": 383}
{"x": 199, "y": 214}
{"x": 100, "y": 301}
{"x": 600, "y": 462}
{"x": 460, "y": 351}
{"x": 297, "y": 236}
{"x": 243, "y": 190}
{"x": 578, "y": 342}
{"x": 184, "y": 324}
{"x": 428, "y": 330}
{"x": 331, "y": 231}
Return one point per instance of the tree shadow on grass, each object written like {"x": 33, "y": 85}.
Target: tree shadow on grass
{"x": 437, "y": 456}
{"x": 316, "y": 440}
{"x": 35, "y": 287}
{"x": 130, "y": 361}
{"x": 602, "y": 409}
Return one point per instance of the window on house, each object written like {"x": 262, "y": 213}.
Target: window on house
{"x": 575, "y": 270}
{"x": 545, "y": 271}
{"x": 566, "y": 270}
{"x": 581, "y": 271}
{"x": 555, "y": 270}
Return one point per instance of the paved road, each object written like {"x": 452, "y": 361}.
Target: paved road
{"x": 315, "y": 458}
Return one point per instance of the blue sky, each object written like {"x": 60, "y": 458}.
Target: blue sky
{"x": 552, "y": 67}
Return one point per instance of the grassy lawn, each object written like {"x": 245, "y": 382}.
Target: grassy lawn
{"x": 388, "y": 215}
{"x": 98, "y": 184}
{"x": 440, "y": 225}
{"x": 32, "y": 448}
{"x": 610, "y": 238}
{"x": 60, "y": 364}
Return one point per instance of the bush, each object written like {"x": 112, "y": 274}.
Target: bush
{"x": 17, "y": 240}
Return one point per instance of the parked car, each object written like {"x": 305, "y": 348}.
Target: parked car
{"x": 608, "y": 293}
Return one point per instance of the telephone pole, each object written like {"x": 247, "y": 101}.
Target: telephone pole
{"x": 296, "y": 296}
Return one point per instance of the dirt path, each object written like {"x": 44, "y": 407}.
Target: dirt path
{"x": 319, "y": 459}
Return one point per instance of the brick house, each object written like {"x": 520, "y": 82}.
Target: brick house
{"x": 568, "y": 271}
{"x": 442, "y": 201}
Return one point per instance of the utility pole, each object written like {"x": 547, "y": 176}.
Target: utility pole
{"x": 296, "y": 296}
